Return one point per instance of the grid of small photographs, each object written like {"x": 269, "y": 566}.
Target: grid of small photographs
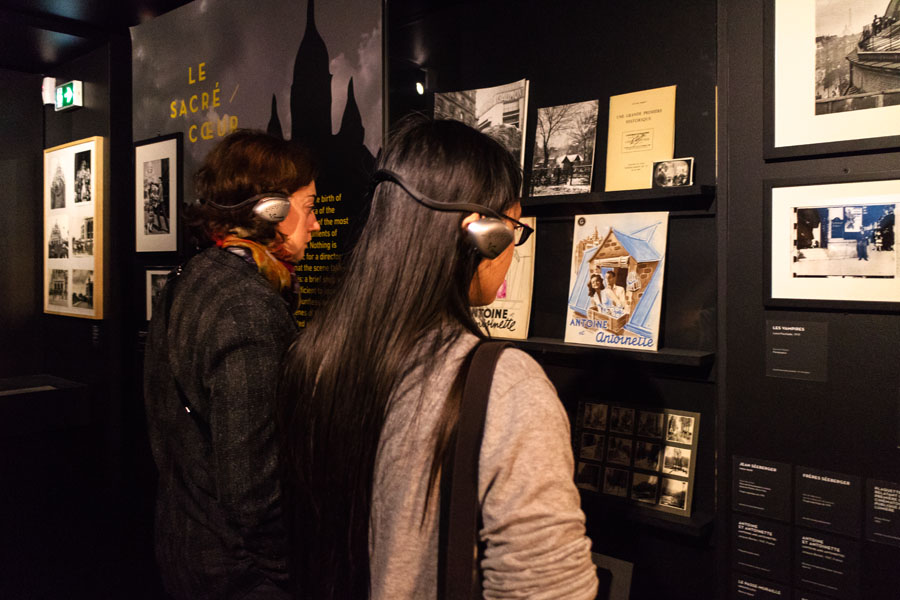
{"x": 646, "y": 456}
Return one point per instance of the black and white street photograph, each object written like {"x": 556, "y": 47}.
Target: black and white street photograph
{"x": 83, "y": 237}
{"x": 592, "y": 446}
{"x": 646, "y": 455}
{"x": 615, "y": 482}
{"x": 619, "y": 451}
{"x": 850, "y": 240}
{"x": 83, "y": 176}
{"x": 677, "y": 172}
{"x": 644, "y": 487}
{"x": 650, "y": 424}
{"x": 564, "y": 149}
{"x": 156, "y": 196}
{"x": 58, "y": 241}
{"x": 621, "y": 420}
{"x": 58, "y": 288}
{"x": 594, "y": 416}
{"x": 82, "y": 288}
{"x": 587, "y": 476}
{"x": 156, "y": 281}
{"x": 673, "y": 492}
{"x": 857, "y": 55}
{"x": 677, "y": 461}
{"x": 57, "y": 188}
{"x": 680, "y": 429}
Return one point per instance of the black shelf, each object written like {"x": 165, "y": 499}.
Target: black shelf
{"x": 699, "y": 524}
{"x": 703, "y": 193}
{"x": 668, "y": 356}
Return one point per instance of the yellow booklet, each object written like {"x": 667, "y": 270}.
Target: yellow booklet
{"x": 641, "y": 131}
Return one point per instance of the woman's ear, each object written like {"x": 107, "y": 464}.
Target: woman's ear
{"x": 469, "y": 220}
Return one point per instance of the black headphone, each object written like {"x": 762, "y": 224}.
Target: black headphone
{"x": 270, "y": 206}
{"x": 489, "y": 235}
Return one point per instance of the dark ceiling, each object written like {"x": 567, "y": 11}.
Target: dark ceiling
{"x": 36, "y": 35}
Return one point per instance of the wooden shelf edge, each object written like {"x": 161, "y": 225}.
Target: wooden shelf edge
{"x": 665, "y": 355}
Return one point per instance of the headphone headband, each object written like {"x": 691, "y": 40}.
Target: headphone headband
{"x": 387, "y": 175}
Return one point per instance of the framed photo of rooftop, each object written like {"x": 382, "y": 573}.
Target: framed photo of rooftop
{"x": 74, "y": 223}
{"x": 831, "y": 242}
{"x": 157, "y": 193}
{"x": 832, "y": 81}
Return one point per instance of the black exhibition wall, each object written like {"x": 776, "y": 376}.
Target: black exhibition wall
{"x": 572, "y": 53}
{"x": 846, "y": 425}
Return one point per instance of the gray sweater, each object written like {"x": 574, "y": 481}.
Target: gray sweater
{"x": 533, "y": 524}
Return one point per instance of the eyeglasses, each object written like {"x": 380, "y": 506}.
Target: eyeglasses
{"x": 521, "y": 231}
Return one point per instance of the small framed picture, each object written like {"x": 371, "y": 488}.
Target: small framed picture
{"x": 644, "y": 487}
{"x": 674, "y": 494}
{"x": 831, "y": 242}
{"x": 677, "y": 172}
{"x": 650, "y": 424}
{"x": 594, "y": 416}
{"x": 619, "y": 451}
{"x": 587, "y": 477}
{"x": 156, "y": 279}
{"x": 646, "y": 455}
{"x": 157, "y": 193}
{"x": 677, "y": 461}
{"x": 680, "y": 429}
{"x": 592, "y": 446}
{"x": 621, "y": 419}
{"x": 615, "y": 482}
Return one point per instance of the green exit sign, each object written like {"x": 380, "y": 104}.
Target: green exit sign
{"x": 68, "y": 95}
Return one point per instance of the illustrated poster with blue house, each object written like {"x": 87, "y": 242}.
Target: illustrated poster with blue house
{"x": 616, "y": 283}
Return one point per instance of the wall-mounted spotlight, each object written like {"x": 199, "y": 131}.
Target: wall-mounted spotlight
{"x": 48, "y": 90}
{"x": 420, "y": 88}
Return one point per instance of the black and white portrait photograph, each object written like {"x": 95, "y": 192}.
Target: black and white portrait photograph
{"x": 564, "y": 149}
{"x": 156, "y": 196}
{"x": 615, "y": 482}
{"x": 58, "y": 287}
{"x": 857, "y": 54}
{"x": 83, "y": 236}
{"x": 646, "y": 455}
{"x": 677, "y": 461}
{"x": 650, "y": 424}
{"x": 677, "y": 172}
{"x": 850, "y": 240}
{"x": 592, "y": 446}
{"x": 680, "y": 429}
{"x": 58, "y": 239}
{"x": 82, "y": 288}
{"x": 156, "y": 279}
{"x": 83, "y": 192}
{"x": 57, "y": 187}
{"x": 594, "y": 416}
{"x": 619, "y": 451}
{"x": 673, "y": 493}
{"x": 644, "y": 487}
{"x": 587, "y": 476}
{"x": 621, "y": 419}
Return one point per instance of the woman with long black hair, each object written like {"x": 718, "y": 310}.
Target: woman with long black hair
{"x": 370, "y": 395}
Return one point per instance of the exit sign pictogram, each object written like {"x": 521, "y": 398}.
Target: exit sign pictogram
{"x": 69, "y": 95}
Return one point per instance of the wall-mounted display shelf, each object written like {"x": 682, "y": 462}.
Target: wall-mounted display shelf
{"x": 669, "y": 356}
{"x": 698, "y": 194}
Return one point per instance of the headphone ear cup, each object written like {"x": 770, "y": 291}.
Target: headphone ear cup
{"x": 274, "y": 209}
{"x": 490, "y": 236}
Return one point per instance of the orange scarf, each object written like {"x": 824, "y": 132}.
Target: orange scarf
{"x": 270, "y": 264}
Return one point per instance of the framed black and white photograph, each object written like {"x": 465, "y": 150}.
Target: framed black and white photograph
{"x": 678, "y": 172}
{"x": 74, "y": 211}
{"x": 615, "y": 482}
{"x": 156, "y": 278}
{"x": 594, "y": 416}
{"x": 646, "y": 455}
{"x": 680, "y": 429}
{"x": 832, "y": 80}
{"x": 831, "y": 243}
{"x": 587, "y": 476}
{"x": 564, "y": 149}
{"x": 591, "y": 446}
{"x": 650, "y": 424}
{"x": 619, "y": 451}
{"x": 157, "y": 193}
{"x": 644, "y": 487}
{"x": 621, "y": 419}
{"x": 677, "y": 461}
{"x": 674, "y": 494}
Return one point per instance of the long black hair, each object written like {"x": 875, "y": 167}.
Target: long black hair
{"x": 402, "y": 300}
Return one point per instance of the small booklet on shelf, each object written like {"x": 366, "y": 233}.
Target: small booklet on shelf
{"x": 508, "y": 316}
{"x": 616, "y": 281}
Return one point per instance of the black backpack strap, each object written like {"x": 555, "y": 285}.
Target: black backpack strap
{"x": 459, "y": 572}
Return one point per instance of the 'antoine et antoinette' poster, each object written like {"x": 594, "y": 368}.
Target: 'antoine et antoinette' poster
{"x": 300, "y": 70}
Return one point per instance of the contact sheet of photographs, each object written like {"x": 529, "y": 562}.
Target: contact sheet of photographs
{"x": 646, "y": 456}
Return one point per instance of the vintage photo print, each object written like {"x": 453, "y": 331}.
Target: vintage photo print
{"x": 58, "y": 288}
{"x": 677, "y": 172}
{"x": 156, "y": 281}
{"x": 646, "y": 455}
{"x": 680, "y": 429}
{"x": 619, "y": 451}
{"x": 677, "y": 461}
{"x": 57, "y": 187}
{"x": 594, "y": 416}
{"x": 592, "y": 446}
{"x": 83, "y": 237}
{"x": 58, "y": 240}
{"x": 856, "y": 54}
{"x": 644, "y": 487}
{"x": 587, "y": 476}
{"x": 615, "y": 482}
{"x": 564, "y": 149}
{"x": 850, "y": 240}
{"x": 83, "y": 190}
{"x": 82, "y": 288}
{"x": 621, "y": 419}
{"x": 673, "y": 493}
{"x": 156, "y": 196}
{"x": 650, "y": 424}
